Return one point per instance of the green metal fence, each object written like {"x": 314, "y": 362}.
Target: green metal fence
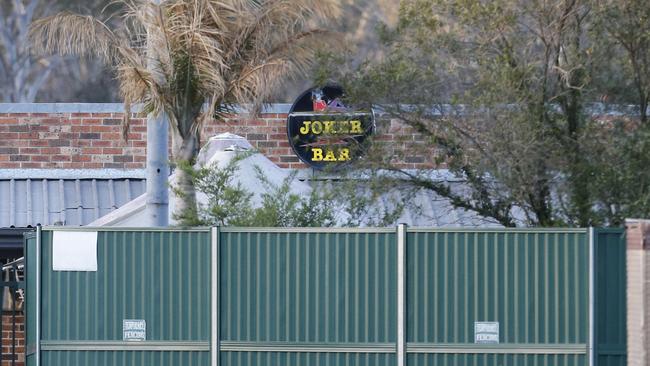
{"x": 609, "y": 296}
{"x": 160, "y": 277}
{"x": 292, "y": 292}
{"x": 534, "y": 284}
{"x": 401, "y": 296}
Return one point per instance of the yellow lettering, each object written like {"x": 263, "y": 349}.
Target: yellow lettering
{"x": 316, "y": 127}
{"x": 344, "y": 154}
{"x": 344, "y": 127}
{"x": 305, "y": 127}
{"x": 356, "y": 127}
{"x": 330, "y": 156}
{"x": 316, "y": 154}
{"x": 329, "y": 127}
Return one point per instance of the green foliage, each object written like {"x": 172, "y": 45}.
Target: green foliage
{"x": 228, "y": 201}
{"x": 617, "y": 171}
{"x": 282, "y": 208}
{"x": 523, "y": 75}
{"x": 328, "y": 204}
{"x": 627, "y": 26}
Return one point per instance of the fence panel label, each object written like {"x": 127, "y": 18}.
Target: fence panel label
{"x": 486, "y": 332}
{"x": 134, "y": 330}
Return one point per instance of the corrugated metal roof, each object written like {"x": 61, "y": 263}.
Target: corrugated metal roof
{"x": 73, "y": 202}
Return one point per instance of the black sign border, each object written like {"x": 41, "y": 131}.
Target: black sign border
{"x": 310, "y": 164}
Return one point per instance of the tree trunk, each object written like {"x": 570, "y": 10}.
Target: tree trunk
{"x": 183, "y": 197}
{"x": 539, "y": 197}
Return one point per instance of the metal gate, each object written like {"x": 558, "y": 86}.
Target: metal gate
{"x": 401, "y": 296}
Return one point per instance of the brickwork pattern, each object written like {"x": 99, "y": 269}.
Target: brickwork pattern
{"x": 94, "y": 141}
{"x": 638, "y": 292}
{"x": 81, "y": 140}
{"x": 7, "y": 339}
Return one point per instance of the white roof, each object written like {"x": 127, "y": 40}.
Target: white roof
{"x": 424, "y": 208}
{"x": 219, "y": 150}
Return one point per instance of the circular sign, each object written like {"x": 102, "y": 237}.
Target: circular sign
{"x": 324, "y": 132}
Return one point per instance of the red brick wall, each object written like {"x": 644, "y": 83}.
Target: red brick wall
{"x": 7, "y": 340}
{"x": 77, "y": 140}
{"x": 93, "y": 140}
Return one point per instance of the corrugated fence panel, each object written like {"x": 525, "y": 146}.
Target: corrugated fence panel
{"x": 161, "y": 277}
{"x": 535, "y": 284}
{"x": 328, "y": 297}
{"x": 307, "y": 288}
{"x": 495, "y": 360}
{"x": 306, "y": 359}
{"x": 610, "y": 297}
{"x": 131, "y": 358}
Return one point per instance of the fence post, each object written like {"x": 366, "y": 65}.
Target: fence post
{"x": 592, "y": 297}
{"x": 401, "y": 295}
{"x": 37, "y": 297}
{"x": 214, "y": 296}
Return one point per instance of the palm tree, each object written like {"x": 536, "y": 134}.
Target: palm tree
{"x": 194, "y": 59}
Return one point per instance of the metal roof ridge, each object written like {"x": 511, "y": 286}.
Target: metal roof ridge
{"x": 596, "y": 108}
{"x": 6, "y": 174}
{"x": 101, "y": 108}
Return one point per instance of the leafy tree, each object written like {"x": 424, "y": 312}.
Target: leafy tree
{"x": 194, "y": 59}
{"x": 227, "y": 202}
{"x": 283, "y": 208}
{"x": 616, "y": 167}
{"x": 500, "y": 91}
{"x": 627, "y": 23}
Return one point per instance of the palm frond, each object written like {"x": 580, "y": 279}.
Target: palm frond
{"x": 177, "y": 55}
{"x": 67, "y": 33}
{"x": 289, "y": 59}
